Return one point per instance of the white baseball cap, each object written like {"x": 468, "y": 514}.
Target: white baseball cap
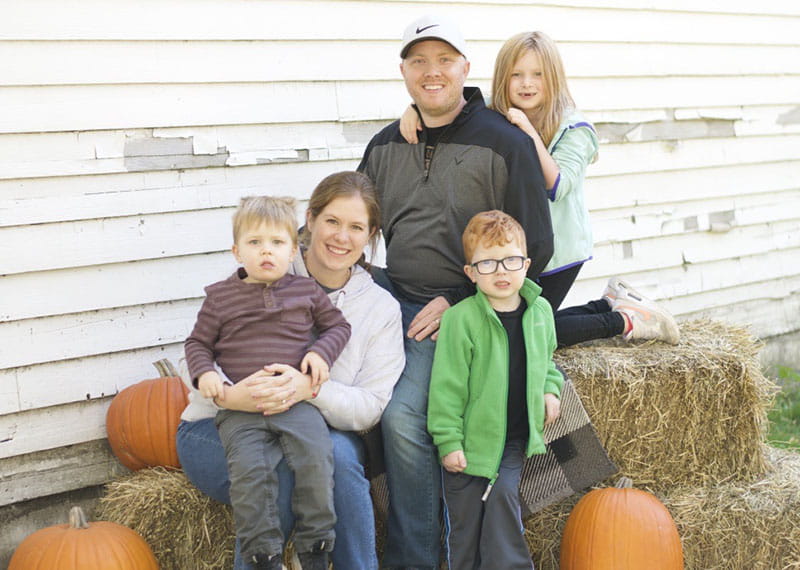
{"x": 433, "y": 27}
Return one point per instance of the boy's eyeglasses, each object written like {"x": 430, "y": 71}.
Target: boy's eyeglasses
{"x": 487, "y": 266}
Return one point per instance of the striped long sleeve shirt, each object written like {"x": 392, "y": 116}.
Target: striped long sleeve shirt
{"x": 245, "y": 326}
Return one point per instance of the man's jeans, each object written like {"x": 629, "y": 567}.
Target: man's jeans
{"x": 412, "y": 465}
{"x": 203, "y": 460}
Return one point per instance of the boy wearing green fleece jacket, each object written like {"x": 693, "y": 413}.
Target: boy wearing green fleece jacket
{"x": 494, "y": 386}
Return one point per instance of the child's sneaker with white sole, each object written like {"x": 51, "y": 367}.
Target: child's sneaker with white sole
{"x": 648, "y": 322}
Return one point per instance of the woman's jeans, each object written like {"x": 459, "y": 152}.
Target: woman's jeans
{"x": 412, "y": 465}
{"x": 203, "y": 460}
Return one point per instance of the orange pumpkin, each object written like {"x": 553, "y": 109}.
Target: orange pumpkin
{"x": 142, "y": 420}
{"x": 620, "y": 528}
{"x": 79, "y": 545}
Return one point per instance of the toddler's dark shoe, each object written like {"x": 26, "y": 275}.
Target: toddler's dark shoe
{"x": 267, "y": 562}
{"x": 314, "y": 560}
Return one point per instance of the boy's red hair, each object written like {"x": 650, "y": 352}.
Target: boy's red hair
{"x": 492, "y": 228}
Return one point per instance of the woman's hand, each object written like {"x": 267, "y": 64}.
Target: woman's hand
{"x": 289, "y": 386}
{"x": 426, "y": 322}
{"x": 271, "y": 390}
{"x": 409, "y": 125}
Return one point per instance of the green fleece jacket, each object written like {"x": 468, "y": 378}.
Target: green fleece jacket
{"x": 469, "y": 381}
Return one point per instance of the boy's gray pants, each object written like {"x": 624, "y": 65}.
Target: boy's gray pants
{"x": 254, "y": 444}
{"x": 486, "y": 535}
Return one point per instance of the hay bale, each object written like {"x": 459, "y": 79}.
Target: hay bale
{"x": 752, "y": 526}
{"x": 543, "y": 532}
{"x": 732, "y": 526}
{"x": 185, "y": 528}
{"x": 692, "y": 414}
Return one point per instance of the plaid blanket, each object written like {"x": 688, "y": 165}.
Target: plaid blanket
{"x": 574, "y": 460}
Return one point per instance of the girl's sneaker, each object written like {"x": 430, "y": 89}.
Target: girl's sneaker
{"x": 618, "y": 289}
{"x": 648, "y": 322}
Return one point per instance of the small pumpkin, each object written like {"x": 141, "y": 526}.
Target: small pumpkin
{"x": 620, "y": 528}
{"x": 142, "y": 420}
{"x": 81, "y": 545}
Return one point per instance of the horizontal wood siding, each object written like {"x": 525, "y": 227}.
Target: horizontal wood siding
{"x": 129, "y": 130}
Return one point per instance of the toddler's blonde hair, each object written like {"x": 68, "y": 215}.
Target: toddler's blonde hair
{"x": 255, "y": 210}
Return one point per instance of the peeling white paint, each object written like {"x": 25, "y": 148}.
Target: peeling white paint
{"x": 261, "y": 157}
{"x": 730, "y": 113}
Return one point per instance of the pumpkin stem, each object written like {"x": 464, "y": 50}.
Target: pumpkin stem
{"x": 624, "y": 483}
{"x": 165, "y": 368}
{"x": 77, "y": 519}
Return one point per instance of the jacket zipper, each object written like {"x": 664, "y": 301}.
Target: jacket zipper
{"x": 492, "y": 480}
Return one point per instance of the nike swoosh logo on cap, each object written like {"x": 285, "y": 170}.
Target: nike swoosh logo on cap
{"x": 420, "y": 30}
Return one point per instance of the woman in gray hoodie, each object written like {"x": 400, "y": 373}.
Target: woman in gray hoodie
{"x": 341, "y": 220}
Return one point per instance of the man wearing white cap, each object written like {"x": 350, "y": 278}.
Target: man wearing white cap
{"x": 470, "y": 159}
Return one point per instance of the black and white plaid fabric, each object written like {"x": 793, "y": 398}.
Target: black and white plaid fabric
{"x": 575, "y": 458}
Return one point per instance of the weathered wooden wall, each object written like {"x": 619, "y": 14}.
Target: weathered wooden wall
{"x": 128, "y": 131}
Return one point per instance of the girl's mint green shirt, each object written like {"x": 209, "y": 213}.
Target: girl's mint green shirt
{"x": 574, "y": 147}
{"x": 468, "y": 396}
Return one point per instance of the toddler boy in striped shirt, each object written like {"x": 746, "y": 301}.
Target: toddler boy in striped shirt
{"x": 258, "y": 316}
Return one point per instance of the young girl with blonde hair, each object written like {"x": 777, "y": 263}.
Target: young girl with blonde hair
{"x": 529, "y": 88}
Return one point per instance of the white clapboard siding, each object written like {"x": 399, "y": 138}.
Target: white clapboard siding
{"x": 80, "y": 107}
{"x": 156, "y": 235}
{"x": 693, "y": 294}
{"x": 65, "y": 337}
{"x": 674, "y": 186}
{"x": 66, "y": 469}
{"x": 776, "y": 7}
{"x": 114, "y": 240}
{"x": 53, "y": 154}
{"x": 92, "y": 107}
{"x": 63, "y": 202}
{"x": 772, "y": 273}
{"x": 79, "y": 198}
{"x": 717, "y": 216}
{"x": 693, "y": 153}
{"x": 83, "y": 379}
{"x": 102, "y": 286}
{"x": 621, "y": 256}
{"x": 249, "y": 20}
{"x": 138, "y": 62}
{"x": 286, "y": 180}
{"x": 49, "y": 428}
{"x": 106, "y": 152}
{"x": 770, "y": 317}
